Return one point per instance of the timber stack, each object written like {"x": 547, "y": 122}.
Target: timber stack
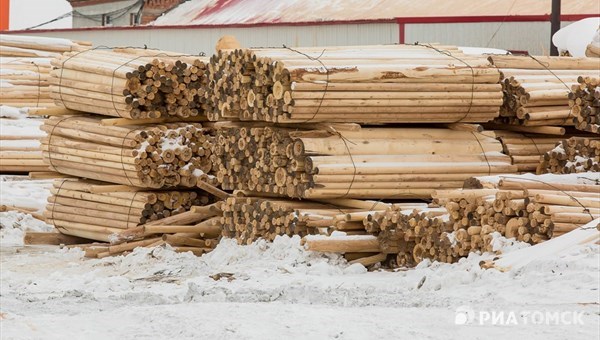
{"x": 129, "y": 83}
{"x": 410, "y": 235}
{"x": 25, "y": 64}
{"x": 536, "y": 90}
{"x": 379, "y": 163}
{"x": 527, "y": 208}
{"x": 526, "y": 149}
{"x": 573, "y": 155}
{"x": 355, "y": 84}
{"x": 584, "y": 100}
{"x": 20, "y": 144}
{"x": 156, "y": 156}
{"x": 248, "y": 219}
{"x": 99, "y": 211}
{"x": 25, "y": 67}
{"x": 195, "y": 230}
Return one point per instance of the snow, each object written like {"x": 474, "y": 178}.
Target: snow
{"x": 586, "y": 234}
{"x": 578, "y": 178}
{"x": 279, "y": 290}
{"x": 22, "y": 127}
{"x": 14, "y": 225}
{"x": 20, "y": 191}
{"x": 482, "y": 50}
{"x": 11, "y": 112}
{"x": 35, "y": 40}
{"x": 576, "y": 36}
{"x": 11, "y": 72}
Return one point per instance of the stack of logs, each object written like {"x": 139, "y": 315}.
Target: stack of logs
{"x": 411, "y": 234}
{"x": 157, "y": 156}
{"x": 584, "y": 100}
{"x": 470, "y": 220}
{"x": 366, "y": 163}
{"x": 196, "y": 230}
{"x": 536, "y": 89}
{"x": 129, "y": 83}
{"x": 573, "y": 155}
{"x": 528, "y": 209}
{"x": 248, "y": 219}
{"x": 360, "y": 84}
{"x": 25, "y": 64}
{"x": 96, "y": 210}
{"x": 20, "y": 146}
{"x": 525, "y": 150}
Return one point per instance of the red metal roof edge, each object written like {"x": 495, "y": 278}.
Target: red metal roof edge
{"x": 405, "y": 20}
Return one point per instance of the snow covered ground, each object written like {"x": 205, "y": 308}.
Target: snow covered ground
{"x": 279, "y": 290}
{"x": 266, "y": 291}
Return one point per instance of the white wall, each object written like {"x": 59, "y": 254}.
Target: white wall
{"x": 525, "y": 36}
{"x": 195, "y": 40}
{"x": 530, "y": 36}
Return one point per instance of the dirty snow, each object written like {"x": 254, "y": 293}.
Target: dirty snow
{"x": 23, "y": 192}
{"x": 13, "y": 226}
{"x": 279, "y": 290}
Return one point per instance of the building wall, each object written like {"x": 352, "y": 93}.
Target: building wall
{"x": 196, "y": 40}
{"x": 91, "y": 16}
{"x": 523, "y": 36}
{"x": 528, "y": 36}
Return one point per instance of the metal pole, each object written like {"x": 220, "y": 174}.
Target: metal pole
{"x": 554, "y": 25}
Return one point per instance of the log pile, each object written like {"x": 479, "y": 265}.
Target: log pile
{"x": 527, "y": 209}
{"x": 129, "y": 83}
{"x": 524, "y": 149}
{"x": 157, "y": 156}
{"x": 584, "y": 100}
{"x": 20, "y": 146}
{"x": 536, "y": 89}
{"x": 196, "y": 230}
{"x": 411, "y": 235}
{"x": 357, "y": 84}
{"x": 25, "y": 64}
{"x": 249, "y": 218}
{"x": 573, "y": 155}
{"x": 367, "y": 163}
{"x": 96, "y": 210}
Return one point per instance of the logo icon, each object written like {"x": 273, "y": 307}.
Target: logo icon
{"x": 464, "y": 315}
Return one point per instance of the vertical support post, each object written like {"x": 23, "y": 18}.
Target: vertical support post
{"x": 554, "y": 25}
{"x": 4, "y": 15}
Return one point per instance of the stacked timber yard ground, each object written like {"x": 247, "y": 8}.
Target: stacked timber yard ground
{"x": 340, "y": 192}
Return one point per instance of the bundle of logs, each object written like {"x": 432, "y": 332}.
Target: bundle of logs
{"x": 584, "y": 100}
{"x": 528, "y": 209}
{"x": 410, "y": 233}
{"x": 196, "y": 230}
{"x": 359, "y": 84}
{"x": 20, "y": 146}
{"x": 129, "y": 83}
{"x": 536, "y": 89}
{"x": 469, "y": 220}
{"x": 25, "y": 64}
{"x": 156, "y": 156}
{"x": 525, "y": 150}
{"x": 366, "y": 163}
{"x": 97, "y": 210}
{"x": 573, "y": 155}
{"x": 249, "y": 218}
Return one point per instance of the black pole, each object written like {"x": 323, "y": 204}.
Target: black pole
{"x": 554, "y": 25}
